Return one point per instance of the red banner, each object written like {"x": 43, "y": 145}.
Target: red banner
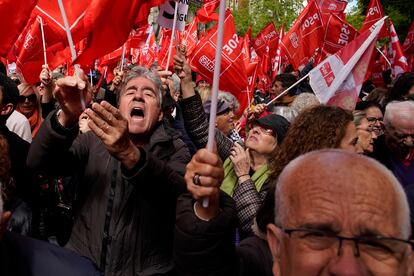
{"x": 398, "y": 60}
{"x": 408, "y": 45}
{"x": 305, "y": 37}
{"x": 270, "y": 35}
{"x": 207, "y": 12}
{"x": 189, "y": 36}
{"x": 374, "y": 13}
{"x": 233, "y": 76}
{"x": 338, "y": 33}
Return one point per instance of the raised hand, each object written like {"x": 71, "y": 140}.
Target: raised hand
{"x": 204, "y": 175}
{"x": 183, "y": 71}
{"x": 73, "y": 94}
{"x": 240, "y": 159}
{"x": 112, "y": 128}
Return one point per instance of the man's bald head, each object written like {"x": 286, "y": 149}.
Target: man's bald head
{"x": 334, "y": 182}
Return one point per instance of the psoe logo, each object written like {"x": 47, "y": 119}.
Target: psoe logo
{"x": 207, "y": 63}
{"x": 332, "y": 7}
{"x": 294, "y": 40}
{"x": 29, "y": 42}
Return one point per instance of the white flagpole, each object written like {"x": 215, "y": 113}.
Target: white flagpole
{"x": 43, "y": 39}
{"x": 386, "y": 59}
{"x": 216, "y": 80}
{"x": 288, "y": 89}
{"x": 172, "y": 35}
{"x": 71, "y": 46}
{"x": 123, "y": 57}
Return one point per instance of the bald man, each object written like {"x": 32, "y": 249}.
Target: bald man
{"x": 349, "y": 218}
{"x": 336, "y": 213}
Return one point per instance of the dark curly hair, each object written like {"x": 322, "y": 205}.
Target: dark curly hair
{"x": 401, "y": 87}
{"x": 316, "y": 128}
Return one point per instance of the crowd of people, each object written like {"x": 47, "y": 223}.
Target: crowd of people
{"x": 114, "y": 178}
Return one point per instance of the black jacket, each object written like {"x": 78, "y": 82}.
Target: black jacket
{"x": 125, "y": 218}
{"x": 21, "y": 256}
{"x": 208, "y": 247}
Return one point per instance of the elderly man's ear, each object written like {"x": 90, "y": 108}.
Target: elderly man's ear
{"x": 274, "y": 240}
{"x": 4, "y": 220}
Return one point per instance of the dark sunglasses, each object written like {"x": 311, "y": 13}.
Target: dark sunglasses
{"x": 30, "y": 98}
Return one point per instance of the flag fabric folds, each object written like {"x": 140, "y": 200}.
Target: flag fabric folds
{"x": 305, "y": 37}
{"x": 233, "y": 76}
{"x": 14, "y": 15}
{"x": 338, "y": 79}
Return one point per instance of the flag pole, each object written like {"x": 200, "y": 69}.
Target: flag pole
{"x": 386, "y": 59}
{"x": 288, "y": 89}
{"x": 172, "y": 35}
{"x": 216, "y": 80}
{"x": 123, "y": 56}
{"x": 43, "y": 39}
{"x": 248, "y": 99}
{"x": 71, "y": 46}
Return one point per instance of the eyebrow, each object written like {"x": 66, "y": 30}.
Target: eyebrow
{"x": 326, "y": 227}
{"x": 368, "y": 232}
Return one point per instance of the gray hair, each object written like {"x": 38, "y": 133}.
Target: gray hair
{"x": 139, "y": 71}
{"x": 286, "y": 112}
{"x": 403, "y": 110}
{"x": 176, "y": 80}
{"x": 358, "y": 116}
{"x": 229, "y": 98}
{"x": 304, "y": 101}
{"x": 282, "y": 208}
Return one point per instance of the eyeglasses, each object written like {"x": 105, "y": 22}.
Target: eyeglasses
{"x": 377, "y": 247}
{"x": 403, "y": 137}
{"x": 368, "y": 129}
{"x": 374, "y": 120}
{"x": 263, "y": 129}
{"x": 30, "y": 98}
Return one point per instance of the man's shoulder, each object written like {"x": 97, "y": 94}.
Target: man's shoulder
{"x": 42, "y": 258}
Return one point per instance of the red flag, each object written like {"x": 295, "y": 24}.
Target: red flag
{"x": 338, "y": 33}
{"x": 338, "y": 79}
{"x": 207, "y": 12}
{"x": 251, "y": 71}
{"x": 189, "y": 36}
{"x": 75, "y": 11}
{"x": 408, "y": 45}
{"x": 266, "y": 59}
{"x": 246, "y": 50}
{"x": 108, "y": 25}
{"x": 268, "y": 34}
{"x": 14, "y": 15}
{"x": 30, "y": 53}
{"x": 398, "y": 60}
{"x": 374, "y": 13}
{"x": 233, "y": 76}
{"x": 139, "y": 37}
{"x": 165, "y": 40}
{"x": 115, "y": 56}
{"x": 305, "y": 37}
{"x": 149, "y": 53}
{"x": 336, "y": 7}
{"x": 277, "y": 60}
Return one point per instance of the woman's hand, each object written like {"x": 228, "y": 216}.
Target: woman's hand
{"x": 241, "y": 160}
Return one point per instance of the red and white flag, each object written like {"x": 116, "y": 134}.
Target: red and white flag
{"x": 408, "y": 45}
{"x": 165, "y": 41}
{"x": 338, "y": 33}
{"x": 207, "y": 12}
{"x": 269, "y": 35}
{"x": 336, "y": 7}
{"x": 149, "y": 54}
{"x": 374, "y": 13}
{"x": 277, "y": 61}
{"x": 338, "y": 79}
{"x": 189, "y": 36}
{"x": 396, "y": 55}
{"x": 305, "y": 37}
{"x": 233, "y": 76}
